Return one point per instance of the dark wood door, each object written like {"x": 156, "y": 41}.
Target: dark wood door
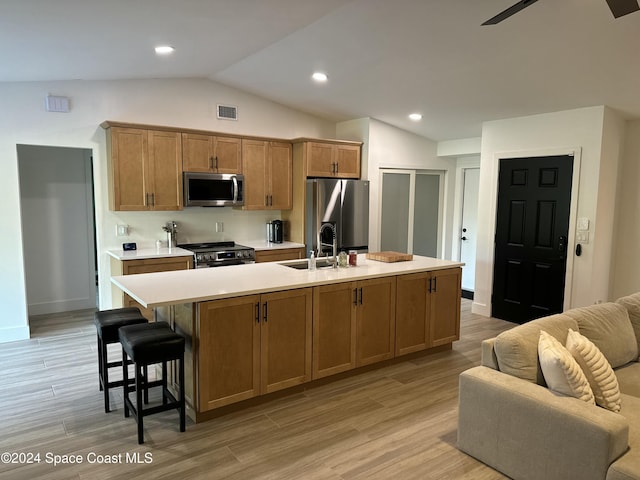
{"x": 532, "y": 227}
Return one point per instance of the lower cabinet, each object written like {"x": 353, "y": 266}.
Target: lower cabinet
{"x": 427, "y": 310}
{"x": 353, "y": 325}
{"x": 253, "y": 345}
{"x": 279, "y": 254}
{"x": 147, "y": 265}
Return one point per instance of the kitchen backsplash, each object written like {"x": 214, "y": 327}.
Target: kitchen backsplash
{"x": 195, "y": 224}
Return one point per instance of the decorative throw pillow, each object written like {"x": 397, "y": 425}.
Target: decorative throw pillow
{"x": 561, "y": 371}
{"x": 597, "y": 369}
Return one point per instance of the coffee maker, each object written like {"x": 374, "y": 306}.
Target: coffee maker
{"x": 275, "y": 232}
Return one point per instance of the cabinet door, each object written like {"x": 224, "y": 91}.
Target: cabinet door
{"x": 281, "y": 176}
{"x": 227, "y": 156}
{"x": 445, "y": 306}
{"x": 286, "y": 339}
{"x": 129, "y": 147}
{"x": 165, "y": 170}
{"x": 279, "y": 254}
{"x": 197, "y": 152}
{"x": 334, "y": 329}
{"x": 320, "y": 159}
{"x": 375, "y": 320}
{"x": 254, "y": 166}
{"x": 348, "y": 161}
{"x": 228, "y": 351}
{"x": 412, "y": 313}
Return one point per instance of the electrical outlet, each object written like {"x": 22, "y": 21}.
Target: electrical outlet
{"x": 219, "y": 227}
{"x": 582, "y": 237}
{"x": 122, "y": 230}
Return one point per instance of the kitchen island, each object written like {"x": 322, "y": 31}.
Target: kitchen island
{"x": 256, "y": 329}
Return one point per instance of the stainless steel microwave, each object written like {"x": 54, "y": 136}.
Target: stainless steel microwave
{"x": 213, "y": 189}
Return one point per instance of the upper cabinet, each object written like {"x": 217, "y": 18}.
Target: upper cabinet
{"x": 337, "y": 160}
{"x": 208, "y": 153}
{"x": 145, "y": 169}
{"x": 267, "y": 168}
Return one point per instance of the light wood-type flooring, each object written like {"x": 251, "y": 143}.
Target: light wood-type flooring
{"x": 396, "y": 422}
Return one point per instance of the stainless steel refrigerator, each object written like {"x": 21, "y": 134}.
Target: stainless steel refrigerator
{"x": 342, "y": 203}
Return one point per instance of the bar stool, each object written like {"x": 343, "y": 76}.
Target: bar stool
{"x": 146, "y": 345}
{"x": 107, "y": 324}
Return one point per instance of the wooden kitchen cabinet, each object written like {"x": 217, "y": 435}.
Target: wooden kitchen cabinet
{"x": 147, "y": 265}
{"x": 332, "y": 160}
{"x": 267, "y": 168}
{"x": 427, "y": 310}
{"x": 334, "y": 329}
{"x": 253, "y": 345}
{"x": 445, "y": 306}
{"x": 280, "y": 254}
{"x": 375, "y": 320}
{"x": 209, "y": 153}
{"x": 145, "y": 169}
{"x": 354, "y": 325}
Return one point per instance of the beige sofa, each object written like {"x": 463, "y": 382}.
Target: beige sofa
{"x": 511, "y": 421}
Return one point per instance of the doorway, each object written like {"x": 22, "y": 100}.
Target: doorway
{"x": 411, "y": 212}
{"x": 469, "y": 229}
{"x": 58, "y": 228}
{"x": 532, "y": 227}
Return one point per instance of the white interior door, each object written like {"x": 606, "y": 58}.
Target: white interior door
{"x": 469, "y": 230}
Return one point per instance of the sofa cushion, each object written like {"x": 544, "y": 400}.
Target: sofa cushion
{"x": 561, "y": 371}
{"x": 608, "y": 326}
{"x": 632, "y": 304}
{"x": 599, "y": 373}
{"x": 629, "y": 379}
{"x": 627, "y": 466}
{"x": 517, "y": 349}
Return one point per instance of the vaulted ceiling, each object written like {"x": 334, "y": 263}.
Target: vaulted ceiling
{"x": 385, "y": 59}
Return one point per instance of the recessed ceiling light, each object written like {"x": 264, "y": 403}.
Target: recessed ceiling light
{"x": 415, "y": 117}
{"x": 319, "y": 77}
{"x": 164, "y": 49}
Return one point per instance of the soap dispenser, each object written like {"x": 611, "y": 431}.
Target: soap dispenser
{"x": 312, "y": 261}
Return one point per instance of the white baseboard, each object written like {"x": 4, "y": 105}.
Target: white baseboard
{"x": 59, "y": 306}
{"x": 481, "y": 309}
{"x": 13, "y": 334}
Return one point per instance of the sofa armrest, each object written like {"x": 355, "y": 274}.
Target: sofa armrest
{"x": 528, "y": 432}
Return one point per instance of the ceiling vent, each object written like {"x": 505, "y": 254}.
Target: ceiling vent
{"x": 227, "y": 112}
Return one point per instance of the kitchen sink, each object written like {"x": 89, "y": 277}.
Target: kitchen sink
{"x": 304, "y": 264}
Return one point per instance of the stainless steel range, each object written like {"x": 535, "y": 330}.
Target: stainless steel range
{"x": 219, "y": 254}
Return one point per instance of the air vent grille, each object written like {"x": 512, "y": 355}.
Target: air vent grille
{"x": 227, "y": 112}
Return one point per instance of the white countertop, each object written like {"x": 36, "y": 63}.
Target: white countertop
{"x": 143, "y": 253}
{"x": 264, "y": 245}
{"x": 198, "y": 285}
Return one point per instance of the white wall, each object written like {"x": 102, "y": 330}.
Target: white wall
{"x": 182, "y": 103}
{"x": 391, "y": 147}
{"x": 594, "y": 133}
{"x": 627, "y": 260}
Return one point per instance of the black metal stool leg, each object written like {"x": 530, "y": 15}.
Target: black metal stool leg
{"x": 104, "y": 376}
{"x": 139, "y": 412}
{"x": 100, "y": 362}
{"x": 146, "y": 384}
{"x": 125, "y": 382}
{"x": 182, "y": 402}
{"x": 164, "y": 383}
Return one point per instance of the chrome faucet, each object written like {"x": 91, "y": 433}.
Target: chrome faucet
{"x": 334, "y": 246}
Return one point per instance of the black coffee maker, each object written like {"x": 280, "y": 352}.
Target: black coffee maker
{"x": 275, "y": 232}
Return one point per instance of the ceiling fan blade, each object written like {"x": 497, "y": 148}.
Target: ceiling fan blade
{"x": 619, "y": 8}
{"x": 515, "y": 9}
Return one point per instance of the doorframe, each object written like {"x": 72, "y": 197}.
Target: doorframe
{"x": 576, "y": 152}
{"x": 412, "y": 172}
{"x": 462, "y": 165}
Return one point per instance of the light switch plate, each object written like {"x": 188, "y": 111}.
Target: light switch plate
{"x": 219, "y": 227}
{"x": 582, "y": 237}
{"x": 583, "y": 224}
{"x": 122, "y": 230}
